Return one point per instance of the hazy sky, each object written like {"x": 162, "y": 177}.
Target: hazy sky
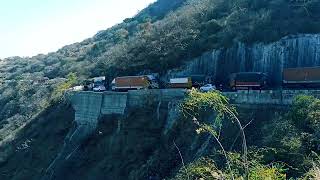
{"x": 31, "y": 27}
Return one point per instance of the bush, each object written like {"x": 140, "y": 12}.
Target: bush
{"x": 203, "y": 168}
{"x": 314, "y": 172}
{"x": 59, "y": 91}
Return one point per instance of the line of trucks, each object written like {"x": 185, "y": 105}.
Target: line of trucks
{"x": 307, "y": 77}
{"x": 126, "y": 83}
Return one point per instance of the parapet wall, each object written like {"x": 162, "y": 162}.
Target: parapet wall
{"x": 270, "y": 97}
{"x": 89, "y": 106}
{"x": 142, "y": 97}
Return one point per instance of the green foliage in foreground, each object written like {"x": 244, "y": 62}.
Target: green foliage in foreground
{"x": 197, "y": 104}
{"x": 71, "y": 81}
{"x": 291, "y": 140}
{"x": 206, "y": 169}
{"x": 314, "y": 172}
{"x": 296, "y": 135}
{"x": 305, "y": 113}
{"x": 203, "y": 168}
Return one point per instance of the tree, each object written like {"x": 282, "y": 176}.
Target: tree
{"x": 60, "y": 90}
{"x": 197, "y": 104}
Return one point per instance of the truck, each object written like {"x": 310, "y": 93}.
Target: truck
{"x": 248, "y": 80}
{"x": 301, "y": 77}
{"x": 99, "y": 84}
{"x": 134, "y": 83}
{"x": 185, "y": 82}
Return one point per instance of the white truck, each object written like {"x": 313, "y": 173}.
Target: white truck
{"x": 99, "y": 84}
{"x": 180, "y": 83}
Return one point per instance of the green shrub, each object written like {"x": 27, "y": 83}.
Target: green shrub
{"x": 270, "y": 172}
{"x": 203, "y": 168}
{"x": 300, "y": 110}
{"x": 61, "y": 88}
{"x": 314, "y": 172}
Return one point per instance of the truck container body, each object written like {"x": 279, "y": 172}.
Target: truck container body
{"x": 248, "y": 80}
{"x": 199, "y": 80}
{"x": 130, "y": 83}
{"x": 180, "y": 83}
{"x": 301, "y": 77}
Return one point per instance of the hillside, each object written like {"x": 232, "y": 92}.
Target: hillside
{"x": 164, "y": 36}
{"x": 159, "y": 38}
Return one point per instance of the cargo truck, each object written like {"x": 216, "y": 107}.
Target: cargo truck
{"x": 180, "y": 83}
{"x": 134, "y": 83}
{"x": 248, "y": 80}
{"x": 301, "y": 77}
{"x": 99, "y": 84}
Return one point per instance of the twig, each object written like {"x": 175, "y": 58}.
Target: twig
{"x": 181, "y": 159}
{"x": 244, "y": 142}
{"x": 235, "y": 140}
{"x": 225, "y": 155}
{"x": 210, "y": 131}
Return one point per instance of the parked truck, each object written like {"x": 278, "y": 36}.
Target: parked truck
{"x": 185, "y": 82}
{"x": 134, "y": 83}
{"x": 99, "y": 84}
{"x": 248, "y": 80}
{"x": 301, "y": 77}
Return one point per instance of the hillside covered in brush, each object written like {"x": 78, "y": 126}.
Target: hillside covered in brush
{"x": 161, "y": 37}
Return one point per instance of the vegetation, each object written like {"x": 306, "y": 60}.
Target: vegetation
{"x": 205, "y": 168}
{"x": 161, "y": 37}
{"x": 198, "y": 104}
{"x": 62, "y": 87}
{"x": 292, "y": 141}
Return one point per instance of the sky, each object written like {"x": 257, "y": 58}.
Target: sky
{"x": 31, "y": 27}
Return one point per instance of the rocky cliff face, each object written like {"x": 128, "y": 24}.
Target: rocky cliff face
{"x": 289, "y": 52}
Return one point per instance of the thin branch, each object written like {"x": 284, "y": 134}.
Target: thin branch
{"x": 225, "y": 155}
{"x": 235, "y": 140}
{"x": 209, "y": 130}
{"x": 244, "y": 142}
{"x": 174, "y": 143}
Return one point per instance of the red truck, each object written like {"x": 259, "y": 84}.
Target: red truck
{"x": 301, "y": 77}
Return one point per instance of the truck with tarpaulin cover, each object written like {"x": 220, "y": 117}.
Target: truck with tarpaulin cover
{"x": 134, "y": 83}
{"x": 302, "y": 77}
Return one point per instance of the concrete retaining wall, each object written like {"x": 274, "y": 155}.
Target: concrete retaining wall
{"x": 114, "y": 103}
{"x": 87, "y": 107}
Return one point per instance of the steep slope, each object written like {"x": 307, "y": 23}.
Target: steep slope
{"x": 163, "y": 36}
{"x": 25, "y": 90}
{"x": 143, "y": 148}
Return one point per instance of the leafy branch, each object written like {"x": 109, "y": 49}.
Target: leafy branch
{"x": 198, "y": 104}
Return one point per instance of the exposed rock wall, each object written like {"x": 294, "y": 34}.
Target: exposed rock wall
{"x": 289, "y": 52}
